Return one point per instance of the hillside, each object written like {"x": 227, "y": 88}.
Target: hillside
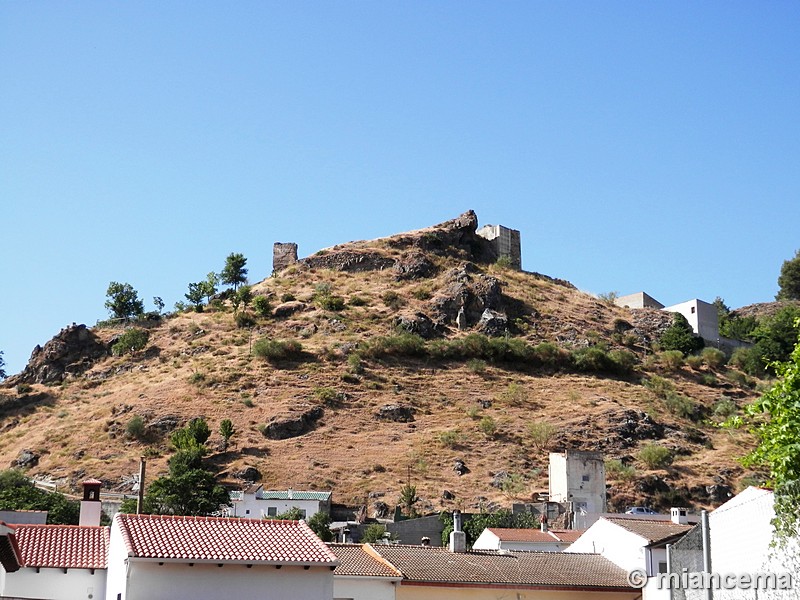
{"x": 361, "y": 407}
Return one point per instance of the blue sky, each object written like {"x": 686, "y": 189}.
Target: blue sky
{"x": 636, "y": 145}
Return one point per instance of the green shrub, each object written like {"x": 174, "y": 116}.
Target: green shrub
{"x": 276, "y": 350}
{"x": 131, "y": 340}
{"x": 326, "y": 395}
{"x": 541, "y": 434}
{"x": 373, "y": 533}
{"x": 393, "y": 300}
{"x": 358, "y": 301}
{"x": 422, "y": 293}
{"x": 334, "y": 303}
{"x": 671, "y": 360}
{"x": 488, "y": 426}
{"x": 724, "y": 408}
{"x": 262, "y": 306}
{"x": 449, "y": 438}
{"x": 245, "y": 320}
{"x": 354, "y": 364}
{"x": 655, "y": 456}
{"x": 288, "y": 297}
{"x": 503, "y": 262}
{"x": 681, "y": 406}
{"x": 694, "y": 361}
{"x": 709, "y": 379}
{"x": 514, "y": 395}
{"x": 593, "y": 359}
{"x": 400, "y": 344}
{"x": 477, "y": 366}
{"x": 619, "y": 470}
{"x": 136, "y": 429}
{"x": 713, "y": 357}
{"x": 550, "y": 355}
{"x": 660, "y": 386}
{"x": 197, "y": 378}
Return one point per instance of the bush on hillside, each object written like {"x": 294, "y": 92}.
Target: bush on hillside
{"x": 680, "y": 336}
{"x": 276, "y": 350}
{"x": 132, "y": 340}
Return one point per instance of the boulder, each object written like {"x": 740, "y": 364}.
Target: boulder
{"x": 492, "y": 323}
{"x": 248, "y": 474}
{"x": 349, "y": 261}
{"x": 286, "y": 309}
{"x": 395, "y": 412}
{"x": 293, "y": 426}
{"x": 460, "y": 467}
{"x": 418, "y": 323}
{"x": 26, "y": 459}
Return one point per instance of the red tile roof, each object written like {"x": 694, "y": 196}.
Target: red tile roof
{"x": 221, "y": 540}
{"x": 653, "y": 530}
{"x": 535, "y": 535}
{"x": 10, "y": 555}
{"x": 420, "y": 565}
{"x": 356, "y": 560}
{"x": 63, "y": 546}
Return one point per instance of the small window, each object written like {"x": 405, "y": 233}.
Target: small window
{"x": 302, "y": 514}
{"x": 585, "y": 478}
{"x": 247, "y": 512}
{"x": 272, "y": 511}
{"x": 662, "y": 567}
{"x": 693, "y": 310}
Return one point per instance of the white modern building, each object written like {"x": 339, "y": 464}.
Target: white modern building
{"x": 257, "y": 503}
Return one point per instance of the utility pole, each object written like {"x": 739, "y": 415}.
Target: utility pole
{"x": 140, "y": 497}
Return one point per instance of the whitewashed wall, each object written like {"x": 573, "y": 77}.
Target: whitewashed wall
{"x": 54, "y": 584}
{"x": 363, "y": 588}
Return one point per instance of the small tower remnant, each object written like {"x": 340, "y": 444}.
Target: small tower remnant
{"x": 505, "y": 242}
{"x": 458, "y": 539}
{"x": 579, "y": 478}
{"x": 284, "y": 254}
{"x": 91, "y": 507}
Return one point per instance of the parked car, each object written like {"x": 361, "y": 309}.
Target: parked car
{"x": 640, "y": 510}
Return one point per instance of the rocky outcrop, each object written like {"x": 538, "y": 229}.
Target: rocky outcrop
{"x": 417, "y": 323}
{"x": 649, "y": 324}
{"x": 414, "y": 266}
{"x": 72, "y": 352}
{"x": 293, "y": 426}
{"x": 348, "y": 260}
{"x": 492, "y": 323}
{"x": 286, "y": 309}
{"x": 469, "y": 289}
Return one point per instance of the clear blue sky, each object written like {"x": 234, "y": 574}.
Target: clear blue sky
{"x": 637, "y": 145}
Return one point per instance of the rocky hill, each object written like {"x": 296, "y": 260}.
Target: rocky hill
{"x": 416, "y": 355}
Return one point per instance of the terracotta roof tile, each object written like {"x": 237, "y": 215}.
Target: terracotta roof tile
{"x": 63, "y": 546}
{"x": 653, "y": 530}
{"x": 222, "y": 540}
{"x": 355, "y": 560}
{"x": 549, "y": 569}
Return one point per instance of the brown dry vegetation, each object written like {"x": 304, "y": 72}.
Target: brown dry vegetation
{"x": 201, "y": 364}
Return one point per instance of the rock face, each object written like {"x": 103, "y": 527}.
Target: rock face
{"x": 492, "y": 323}
{"x": 348, "y": 261}
{"x": 72, "y": 352}
{"x": 470, "y": 290}
{"x": 293, "y": 426}
{"x": 286, "y": 309}
{"x": 414, "y": 266}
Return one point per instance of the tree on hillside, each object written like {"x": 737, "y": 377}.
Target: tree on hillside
{"x": 210, "y": 285}
{"x": 195, "y": 295}
{"x": 234, "y": 273}
{"x": 226, "y": 430}
{"x": 775, "y": 419}
{"x": 680, "y": 336}
{"x": 2, "y": 366}
{"x": 17, "y": 492}
{"x": 789, "y": 280}
{"x": 123, "y": 301}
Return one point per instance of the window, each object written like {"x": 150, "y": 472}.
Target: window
{"x": 662, "y": 567}
{"x": 272, "y": 511}
{"x": 302, "y": 513}
{"x": 585, "y": 478}
{"x": 247, "y": 512}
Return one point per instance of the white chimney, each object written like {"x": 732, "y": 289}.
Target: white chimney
{"x": 458, "y": 539}
{"x": 91, "y": 507}
{"x": 679, "y": 516}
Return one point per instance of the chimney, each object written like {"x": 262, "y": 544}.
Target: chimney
{"x": 91, "y": 507}
{"x": 458, "y": 539}
{"x": 543, "y": 522}
{"x": 426, "y": 541}
{"x": 679, "y": 516}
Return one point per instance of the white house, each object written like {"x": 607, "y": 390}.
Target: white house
{"x": 525, "y": 540}
{"x": 10, "y": 559}
{"x": 194, "y": 558}
{"x": 634, "y": 543}
{"x": 362, "y": 574}
{"x": 257, "y": 503}
{"x": 59, "y": 562}
{"x": 702, "y": 316}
